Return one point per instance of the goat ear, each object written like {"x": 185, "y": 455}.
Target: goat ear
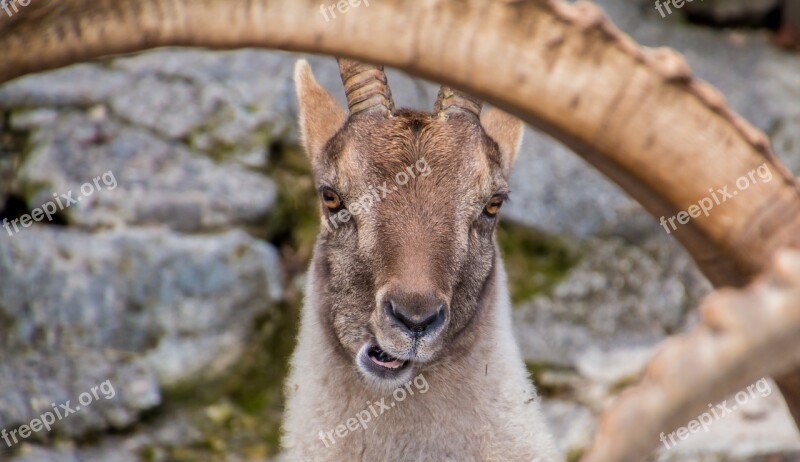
{"x": 506, "y": 131}
{"x": 320, "y": 115}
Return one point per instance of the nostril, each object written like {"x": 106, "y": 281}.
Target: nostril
{"x": 417, "y": 323}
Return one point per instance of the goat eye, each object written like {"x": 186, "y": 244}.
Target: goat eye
{"x": 331, "y": 200}
{"x": 493, "y": 206}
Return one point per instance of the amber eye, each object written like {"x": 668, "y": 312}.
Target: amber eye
{"x": 494, "y": 204}
{"x": 331, "y": 200}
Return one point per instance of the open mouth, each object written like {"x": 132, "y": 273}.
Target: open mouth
{"x": 383, "y": 359}
{"x": 381, "y": 368}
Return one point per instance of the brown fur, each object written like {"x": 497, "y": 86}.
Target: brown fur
{"x": 429, "y": 236}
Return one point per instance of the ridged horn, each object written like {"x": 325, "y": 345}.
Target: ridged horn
{"x": 450, "y": 100}
{"x": 366, "y": 87}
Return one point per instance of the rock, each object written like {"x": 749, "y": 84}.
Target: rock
{"x": 541, "y": 195}
{"x": 151, "y": 443}
{"x": 125, "y": 175}
{"x": 119, "y": 294}
{"x": 786, "y": 138}
{"x": 616, "y": 366}
{"x": 7, "y": 165}
{"x": 573, "y": 425}
{"x": 617, "y": 296}
{"x": 234, "y": 101}
{"x": 81, "y": 85}
{"x": 84, "y": 390}
{"x": 182, "y": 307}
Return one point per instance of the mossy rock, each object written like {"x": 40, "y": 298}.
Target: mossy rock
{"x": 535, "y": 262}
{"x": 239, "y": 415}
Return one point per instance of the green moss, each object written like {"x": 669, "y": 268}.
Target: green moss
{"x": 241, "y": 414}
{"x": 7, "y": 323}
{"x": 258, "y": 389}
{"x": 623, "y": 383}
{"x": 574, "y": 455}
{"x": 219, "y": 150}
{"x": 293, "y": 224}
{"x": 534, "y": 261}
{"x": 15, "y": 148}
{"x": 537, "y": 370}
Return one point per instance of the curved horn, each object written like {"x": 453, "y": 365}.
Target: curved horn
{"x": 366, "y": 87}
{"x": 450, "y": 100}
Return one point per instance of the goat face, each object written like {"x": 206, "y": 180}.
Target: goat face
{"x": 409, "y": 205}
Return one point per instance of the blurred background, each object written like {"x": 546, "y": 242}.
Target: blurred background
{"x": 182, "y": 284}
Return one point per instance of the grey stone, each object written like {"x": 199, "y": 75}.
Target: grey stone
{"x": 617, "y": 296}
{"x": 182, "y": 306}
{"x": 615, "y": 366}
{"x": 149, "y": 442}
{"x": 105, "y": 389}
{"x": 572, "y": 424}
{"x": 553, "y": 190}
{"x": 786, "y": 138}
{"x": 80, "y": 85}
{"x": 151, "y": 181}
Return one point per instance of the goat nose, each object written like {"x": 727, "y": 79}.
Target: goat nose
{"x": 419, "y": 314}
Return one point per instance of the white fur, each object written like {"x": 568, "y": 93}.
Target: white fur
{"x": 469, "y": 412}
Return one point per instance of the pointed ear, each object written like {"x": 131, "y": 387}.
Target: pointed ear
{"x": 320, "y": 115}
{"x": 506, "y": 131}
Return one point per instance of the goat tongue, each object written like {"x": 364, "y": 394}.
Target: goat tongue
{"x": 383, "y": 359}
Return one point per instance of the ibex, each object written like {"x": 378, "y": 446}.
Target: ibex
{"x": 649, "y": 116}
{"x": 412, "y": 288}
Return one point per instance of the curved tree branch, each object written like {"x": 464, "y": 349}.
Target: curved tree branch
{"x": 744, "y": 335}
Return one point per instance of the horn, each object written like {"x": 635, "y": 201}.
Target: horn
{"x": 451, "y": 100}
{"x": 366, "y": 87}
